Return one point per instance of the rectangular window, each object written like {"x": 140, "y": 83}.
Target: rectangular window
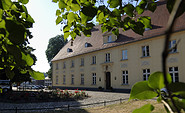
{"x": 82, "y": 79}
{"x": 94, "y": 60}
{"x": 172, "y": 47}
{"x": 72, "y": 63}
{"x": 64, "y": 65}
{"x": 64, "y": 79}
{"x": 56, "y": 79}
{"x": 56, "y": 66}
{"x": 125, "y": 77}
{"x": 145, "y": 51}
{"x": 107, "y": 58}
{"x": 94, "y": 78}
{"x": 109, "y": 39}
{"x": 174, "y": 74}
{"x": 124, "y": 55}
{"x": 146, "y": 74}
{"x": 72, "y": 79}
{"x": 82, "y": 62}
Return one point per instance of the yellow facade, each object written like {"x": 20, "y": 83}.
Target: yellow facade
{"x": 134, "y": 64}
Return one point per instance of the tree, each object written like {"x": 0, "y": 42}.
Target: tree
{"x": 113, "y": 15}
{"x": 54, "y": 46}
{"x": 15, "y": 54}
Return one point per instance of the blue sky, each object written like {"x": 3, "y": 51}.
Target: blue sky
{"x": 44, "y": 28}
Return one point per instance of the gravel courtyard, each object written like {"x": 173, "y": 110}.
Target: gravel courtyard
{"x": 95, "y": 97}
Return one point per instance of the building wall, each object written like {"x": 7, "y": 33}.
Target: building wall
{"x": 134, "y": 64}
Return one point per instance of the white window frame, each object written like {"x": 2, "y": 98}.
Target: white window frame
{"x": 146, "y": 74}
{"x": 172, "y": 44}
{"x": 125, "y": 77}
{"x": 64, "y": 79}
{"x": 72, "y": 79}
{"x": 82, "y": 79}
{"x": 93, "y": 59}
{"x": 124, "y": 54}
{"x": 94, "y": 78}
{"x": 174, "y": 72}
{"x": 145, "y": 51}
{"x": 107, "y": 57}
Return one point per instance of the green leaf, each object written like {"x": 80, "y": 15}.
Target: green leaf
{"x": 104, "y": 29}
{"x": 29, "y": 60}
{"x": 71, "y": 17}
{"x": 178, "y": 88}
{"x": 73, "y": 35}
{"x": 146, "y": 21}
{"x": 16, "y": 31}
{"x": 87, "y": 33}
{"x": 36, "y": 75}
{"x": 141, "y": 91}
{"x": 137, "y": 27}
{"x": 27, "y": 17}
{"x": 58, "y": 20}
{"x": 66, "y": 35}
{"x": 62, "y": 4}
{"x": 89, "y": 11}
{"x": 6, "y": 4}
{"x": 116, "y": 12}
{"x": 152, "y": 6}
{"x": 139, "y": 10}
{"x": 129, "y": 10}
{"x": 75, "y": 7}
{"x": 113, "y": 3}
{"x": 156, "y": 80}
{"x": 181, "y": 9}
{"x": 24, "y": 1}
{"x": 144, "y": 109}
{"x": 180, "y": 103}
{"x": 115, "y": 31}
{"x": 1, "y": 14}
{"x": 9, "y": 73}
{"x": 55, "y": 1}
{"x": 66, "y": 28}
{"x": 58, "y": 12}
{"x": 84, "y": 18}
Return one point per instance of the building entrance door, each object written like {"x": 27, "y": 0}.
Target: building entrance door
{"x": 108, "y": 80}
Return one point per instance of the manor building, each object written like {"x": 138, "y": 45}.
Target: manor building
{"x": 108, "y": 61}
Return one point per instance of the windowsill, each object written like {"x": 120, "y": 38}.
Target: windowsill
{"x": 93, "y": 84}
{"x": 93, "y": 64}
{"x": 174, "y": 52}
{"x": 81, "y": 65}
{"x": 82, "y": 84}
{"x": 123, "y": 59}
{"x": 124, "y": 84}
{"x": 145, "y": 56}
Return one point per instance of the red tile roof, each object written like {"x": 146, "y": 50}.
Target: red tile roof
{"x": 158, "y": 19}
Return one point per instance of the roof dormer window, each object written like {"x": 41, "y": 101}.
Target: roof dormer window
{"x": 109, "y": 39}
{"x": 69, "y": 50}
{"x": 87, "y": 45}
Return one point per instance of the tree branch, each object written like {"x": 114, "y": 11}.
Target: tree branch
{"x": 165, "y": 53}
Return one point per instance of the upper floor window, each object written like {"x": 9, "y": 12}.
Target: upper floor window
{"x": 172, "y": 47}
{"x": 88, "y": 45}
{"x": 64, "y": 65}
{"x": 72, "y": 63}
{"x": 174, "y": 74}
{"x": 145, "y": 51}
{"x": 124, "y": 55}
{"x": 107, "y": 57}
{"x": 64, "y": 79}
{"x": 82, "y": 78}
{"x": 72, "y": 79}
{"x": 82, "y": 62}
{"x": 93, "y": 59}
{"x": 94, "y": 78}
{"x": 69, "y": 50}
{"x": 56, "y": 66}
{"x": 146, "y": 74}
{"x": 109, "y": 39}
{"x": 125, "y": 77}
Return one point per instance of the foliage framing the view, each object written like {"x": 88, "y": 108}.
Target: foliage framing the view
{"x": 15, "y": 54}
{"x": 77, "y": 15}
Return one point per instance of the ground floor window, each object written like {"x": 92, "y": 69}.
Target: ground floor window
{"x": 56, "y": 79}
{"x": 82, "y": 79}
{"x": 64, "y": 79}
{"x": 146, "y": 74}
{"x": 72, "y": 79}
{"x": 94, "y": 78}
{"x": 125, "y": 77}
{"x": 174, "y": 74}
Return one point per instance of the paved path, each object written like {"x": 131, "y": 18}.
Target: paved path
{"x": 96, "y": 96}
